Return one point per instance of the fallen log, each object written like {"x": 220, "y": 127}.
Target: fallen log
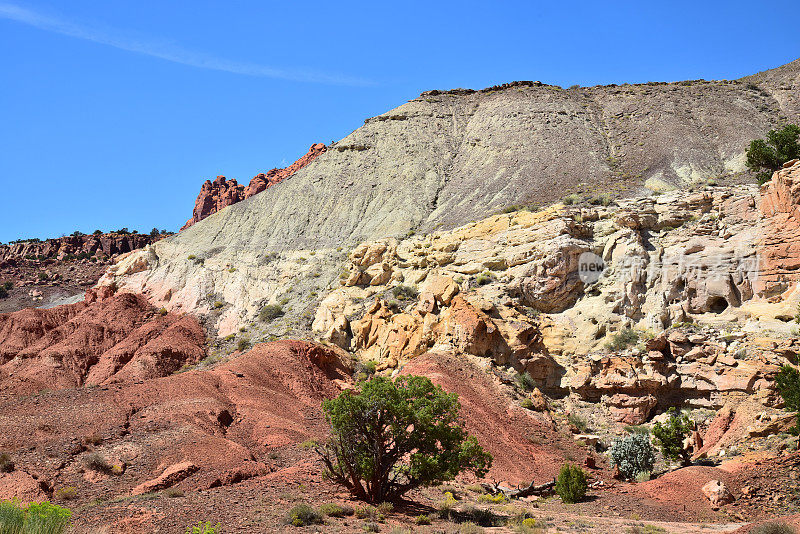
{"x": 519, "y": 492}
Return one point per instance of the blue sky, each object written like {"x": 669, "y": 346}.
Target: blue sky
{"x": 114, "y": 112}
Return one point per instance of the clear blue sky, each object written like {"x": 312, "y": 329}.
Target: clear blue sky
{"x": 113, "y": 112}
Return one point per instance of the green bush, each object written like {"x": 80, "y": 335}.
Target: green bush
{"x": 571, "y": 484}
{"x": 422, "y": 520}
{"x": 96, "y": 462}
{"x": 526, "y": 403}
{"x": 525, "y": 381}
{"x": 204, "y": 528}
{"x": 671, "y": 435}
{"x": 405, "y": 292}
{"x": 8, "y": 285}
{"x": 35, "y": 518}
{"x": 633, "y": 455}
{"x": 765, "y": 157}
{"x": 578, "y": 422}
{"x": 788, "y": 383}
{"x": 334, "y": 510}
{"x": 413, "y": 424}
{"x": 485, "y": 278}
{"x": 623, "y": 339}
{"x": 243, "y": 344}
{"x": 270, "y": 312}
{"x": 302, "y": 515}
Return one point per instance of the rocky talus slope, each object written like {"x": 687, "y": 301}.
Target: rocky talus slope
{"x": 222, "y": 193}
{"x": 450, "y": 157}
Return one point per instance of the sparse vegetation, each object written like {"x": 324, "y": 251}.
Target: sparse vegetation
{"x": 633, "y": 455}
{"x": 623, "y": 339}
{"x": 303, "y": 515}
{"x": 402, "y": 292}
{"x": 243, "y": 344}
{"x": 578, "y": 422}
{"x": 526, "y": 403}
{"x": 173, "y": 493}
{"x": 571, "y": 199}
{"x": 67, "y": 493}
{"x": 765, "y": 157}
{"x": 334, "y": 510}
{"x": 204, "y": 528}
{"x": 773, "y": 527}
{"x": 485, "y": 278}
{"x": 571, "y": 484}
{"x": 270, "y": 312}
{"x": 96, "y": 462}
{"x": 788, "y": 383}
{"x": 392, "y": 437}
{"x": 525, "y": 381}
{"x": 671, "y": 435}
{"x": 34, "y": 518}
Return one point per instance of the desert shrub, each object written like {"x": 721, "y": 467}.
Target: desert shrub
{"x": 470, "y": 528}
{"x": 35, "y": 518}
{"x": 96, "y": 462}
{"x": 643, "y": 476}
{"x": 765, "y": 157}
{"x": 578, "y": 422}
{"x": 446, "y": 507}
{"x": 525, "y": 381}
{"x": 6, "y": 464}
{"x": 788, "y": 383}
{"x": 3, "y": 292}
{"x": 526, "y": 403}
{"x": 334, "y": 510}
{"x": 191, "y": 257}
{"x": 8, "y": 285}
{"x": 173, "y": 493}
{"x": 42, "y": 275}
{"x": 270, "y": 312}
{"x": 636, "y": 429}
{"x": 204, "y": 528}
{"x": 601, "y": 200}
{"x": 422, "y": 519}
{"x": 481, "y": 516}
{"x": 392, "y": 437}
{"x": 485, "y": 278}
{"x": 243, "y": 344}
{"x": 67, "y": 493}
{"x": 571, "y": 484}
{"x": 364, "y": 370}
{"x": 773, "y": 527}
{"x": 632, "y": 455}
{"x": 622, "y": 339}
{"x": 162, "y": 311}
{"x": 385, "y": 508}
{"x": 405, "y": 292}
{"x": 366, "y": 512}
{"x": 371, "y": 527}
{"x": 671, "y": 435}
{"x": 571, "y": 199}
{"x": 493, "y": 499}
{"x": 302, "y": 515}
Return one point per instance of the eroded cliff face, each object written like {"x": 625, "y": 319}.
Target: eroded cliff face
{"x": 695, "y": 304}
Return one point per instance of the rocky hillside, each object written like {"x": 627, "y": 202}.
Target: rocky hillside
{"x": 449, "y": 157}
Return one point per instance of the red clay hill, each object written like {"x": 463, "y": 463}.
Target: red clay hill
{"x": 222, "y": 192}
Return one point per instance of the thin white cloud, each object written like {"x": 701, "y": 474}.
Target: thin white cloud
{"x": 166, "y": 51}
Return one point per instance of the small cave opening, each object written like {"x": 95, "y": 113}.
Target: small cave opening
{"x": 717, "y": 304}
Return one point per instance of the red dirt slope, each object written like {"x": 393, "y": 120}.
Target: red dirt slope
{"x": 94, "y": 342}
{"x": 526, "y": 445}
{"x": 220, "y": 423}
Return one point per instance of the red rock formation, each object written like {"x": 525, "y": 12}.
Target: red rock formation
{"x": 108, "y": 244}
{"x": 107, "y": 338}
{"x": 779, "y": 253}
{"x": 222, "y": 192}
